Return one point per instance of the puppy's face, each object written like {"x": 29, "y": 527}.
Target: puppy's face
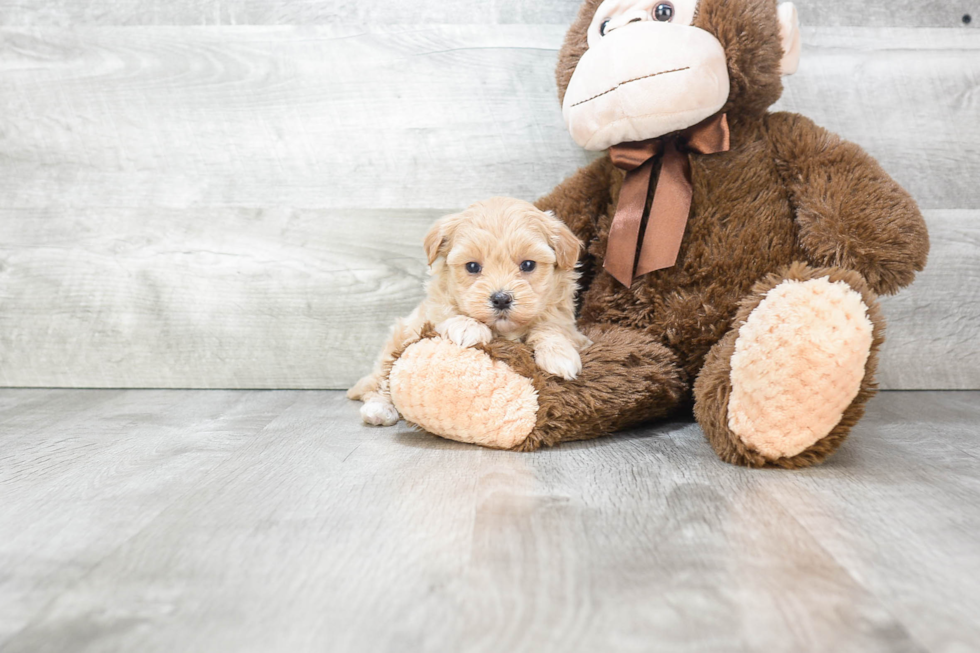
{"x": 506, "y": 263}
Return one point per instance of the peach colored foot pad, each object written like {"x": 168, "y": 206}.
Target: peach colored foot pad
{"x": 798, "y": 364}
{"x": 464, "y": 395}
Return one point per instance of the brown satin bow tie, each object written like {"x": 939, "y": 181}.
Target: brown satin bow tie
{"x": 671, "y": 199}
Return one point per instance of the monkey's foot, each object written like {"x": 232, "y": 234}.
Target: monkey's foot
{"x": 463, "y": 394}
{"x": 785, "y": 386}
{"x": 496, "y": 396}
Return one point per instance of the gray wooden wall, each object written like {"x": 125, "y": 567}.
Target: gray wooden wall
{"x": 232, "y": 193}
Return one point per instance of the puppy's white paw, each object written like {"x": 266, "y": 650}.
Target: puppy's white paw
{"x": 465, "y": 331}
{"x": 378, "y": 412}
{"x": 559, "y": 359}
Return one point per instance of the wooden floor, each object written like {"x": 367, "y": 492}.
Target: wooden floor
{"x": 273, "y": 521}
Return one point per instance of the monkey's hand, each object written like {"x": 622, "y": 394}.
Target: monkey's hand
{"x": 850, "y": 213}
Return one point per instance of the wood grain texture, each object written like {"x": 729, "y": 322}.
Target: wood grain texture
{"x": 71, "y": 13}
{"x": 303, "y": 299}
{"x": 240, "y": 206}
{"x": 932, "y": 341}
{"x": 200, "y": 522}
{"x": 90, "y": 509}
{"x": 923, "y": 525}
{"x": 408, "y": 117}
{"x": 226, "y": 298}
{"x": 413, "y": 117}
{"x": 895, "y": 13}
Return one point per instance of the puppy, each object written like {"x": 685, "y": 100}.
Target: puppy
{"x": 501, "y": 268}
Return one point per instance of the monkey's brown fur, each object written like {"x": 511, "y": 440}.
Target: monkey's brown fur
{"x": 789, "y": 201}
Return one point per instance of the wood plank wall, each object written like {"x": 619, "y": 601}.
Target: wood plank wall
{"x": 232, "y": 194}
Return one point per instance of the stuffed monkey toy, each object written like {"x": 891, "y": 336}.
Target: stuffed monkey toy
{"x": 733, "y": 257}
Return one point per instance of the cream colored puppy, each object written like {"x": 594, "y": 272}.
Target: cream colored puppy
{"x": 501, "y": 268}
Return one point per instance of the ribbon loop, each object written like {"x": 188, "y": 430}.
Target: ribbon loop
{"x": 671, "y": 202}
{"x": 630, "y": 156}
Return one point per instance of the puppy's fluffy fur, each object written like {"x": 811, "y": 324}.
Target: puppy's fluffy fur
{"x": 501, "y": 268}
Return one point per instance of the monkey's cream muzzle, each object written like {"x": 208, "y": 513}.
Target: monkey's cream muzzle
{"x": 645, "y": 80}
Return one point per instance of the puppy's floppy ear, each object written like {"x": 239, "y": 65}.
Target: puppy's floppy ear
{"x": 565, "y": 243}
{"x": 439, "y": 238}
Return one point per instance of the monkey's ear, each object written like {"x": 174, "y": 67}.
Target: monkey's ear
{"x": 565, "y": 243}
{"x": 438, "y": 239}
{"x": 789, "y": 32}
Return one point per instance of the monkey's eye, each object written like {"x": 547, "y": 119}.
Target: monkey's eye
{"x": 604, "y": 26}
{"x": 474, "y": 268}
{"x": 528, "y": 266}
{"x": 663, "y": 12}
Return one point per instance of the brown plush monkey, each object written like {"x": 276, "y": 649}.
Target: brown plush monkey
{"x": 733, "y": 256}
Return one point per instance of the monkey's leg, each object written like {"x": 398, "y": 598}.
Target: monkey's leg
{"x": 787, "y": 383}
{"x": 495, "y": 396}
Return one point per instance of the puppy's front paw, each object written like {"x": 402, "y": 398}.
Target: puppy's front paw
{"x": 378, "y": 412}
{"x": 465, "y": 331}
{"x": 559, "y": 359}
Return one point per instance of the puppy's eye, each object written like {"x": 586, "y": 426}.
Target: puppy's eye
{"x": 663, "y": 12}
{"x": 474, "y": 268}
{"x": 528, "y": 266}
{"x": 604, "y": 27}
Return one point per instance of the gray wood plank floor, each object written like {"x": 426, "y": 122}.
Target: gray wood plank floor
{"x": 273, "y": 521}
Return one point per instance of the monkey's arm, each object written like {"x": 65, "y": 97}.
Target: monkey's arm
{"x": 581, "y": 199}
{"x": 851, "y": 214}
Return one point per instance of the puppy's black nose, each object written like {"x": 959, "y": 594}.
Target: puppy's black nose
{"x": 501, "y": 300}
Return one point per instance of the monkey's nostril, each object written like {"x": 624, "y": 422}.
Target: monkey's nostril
{"x": 501, "y": 300}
